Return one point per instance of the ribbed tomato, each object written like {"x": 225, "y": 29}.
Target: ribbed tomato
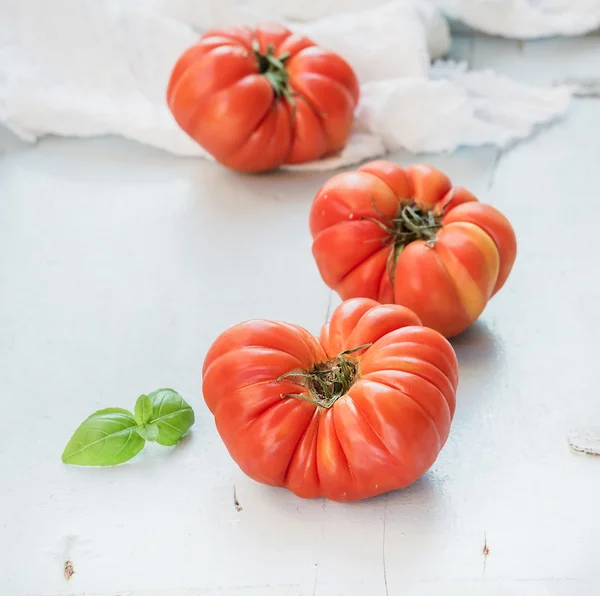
{"x": 259, "y": 98}
{"x": 407, "y": 236}
{"x": 362, "y": 411}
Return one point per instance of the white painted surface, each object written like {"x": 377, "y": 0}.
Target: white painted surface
{"x": 120, "y": 265}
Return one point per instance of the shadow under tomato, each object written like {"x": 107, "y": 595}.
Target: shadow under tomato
{"x": 481, "y": 359}
{"x": 477, "y": 344}
{"x": 478, "y": 340}
{"x": 425, "y": 491}
{"x": 238, "y": 193}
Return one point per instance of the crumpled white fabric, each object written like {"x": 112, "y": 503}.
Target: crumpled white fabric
{"x": 519, "y": 19}
{"x": 526, "y": 19}
{"x": 95, "y": 67}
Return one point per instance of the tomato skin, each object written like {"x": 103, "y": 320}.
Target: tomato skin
{"x": 447, "y": 282}
{"x": 383, "y": 434}
{"x": 219, "y": 97}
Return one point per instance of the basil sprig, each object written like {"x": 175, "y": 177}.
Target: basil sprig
{"x": 113, "y": 436}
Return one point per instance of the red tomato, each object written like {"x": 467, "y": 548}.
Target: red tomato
{"x": 407, "y": 236}
{"x": 259, "y": 98}
{"x": 362, "y": 411}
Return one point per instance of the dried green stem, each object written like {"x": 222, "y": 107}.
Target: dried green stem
{"x": 410, "y": 223}
{"x": 327, "y": 381}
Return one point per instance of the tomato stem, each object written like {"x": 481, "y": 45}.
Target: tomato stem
{"x": 275, "y": 71}
{"x": 411, "y": 222}
{"x": 326, "y": 381}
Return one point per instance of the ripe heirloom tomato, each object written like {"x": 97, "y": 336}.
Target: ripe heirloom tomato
{"x": 259, "y": 98}
{"x": 407, "y": 236}
{"x": 361, "y": 411}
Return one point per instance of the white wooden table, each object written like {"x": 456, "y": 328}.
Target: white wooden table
{"x": 119, "y": 265}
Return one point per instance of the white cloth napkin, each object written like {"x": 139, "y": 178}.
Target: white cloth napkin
{"x": 95, "y": 67}
{"x": 526, "y": 19}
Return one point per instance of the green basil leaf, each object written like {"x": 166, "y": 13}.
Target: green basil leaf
{"x": 172, "y": 414}
{"x": 107, "y": 438}
{"x": 148, "y": 431}
{"x": 143, "y": 410}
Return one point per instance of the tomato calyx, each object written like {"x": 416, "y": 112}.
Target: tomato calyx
{"x": 274, "y": 70}
{"x": 327, "y": 381}
{"x": 411, "y": 222}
